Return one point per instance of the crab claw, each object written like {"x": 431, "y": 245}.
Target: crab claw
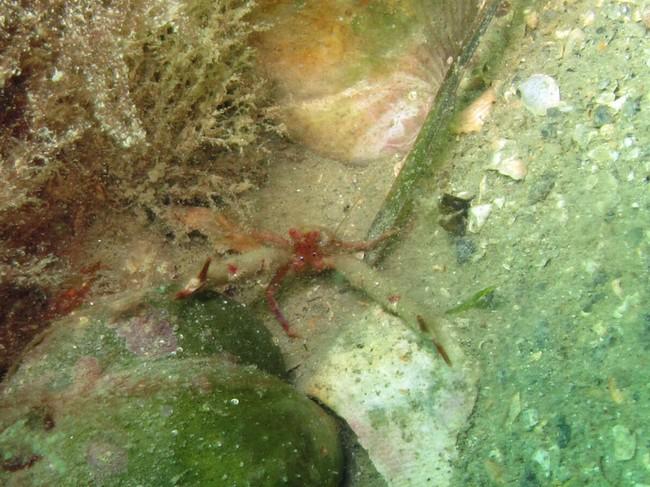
{"x": 195, "y": 283}
{"x": 424, "y": 328}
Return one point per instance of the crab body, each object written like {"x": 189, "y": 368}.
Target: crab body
{"x": 315, "y": 251}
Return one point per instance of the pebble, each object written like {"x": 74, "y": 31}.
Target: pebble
{"x": 539, "y": 93}
{"x": 506, "y": 161}
{"x": 531, "y": 18}
{"x": 530, "y": 418}
{"x": 583, "y": 135}
{"x": 603, "y": 154}
{"x": 563, "y": 432}
{"x": 472, "y": 118}
{"x": 465, "y": 249}
{"x": 543, "y": 458}
{"x": 541, "y": 187}
{"x": 515, "y": 408}
{"x": 624, "y": 443}
{"x": 602, "y": 116}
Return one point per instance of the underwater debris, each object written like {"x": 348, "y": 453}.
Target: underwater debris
{"x": 480, "y": 300}
{"x": 453, "y": 213}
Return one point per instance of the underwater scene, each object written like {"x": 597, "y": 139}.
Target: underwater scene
{"x": 336, "y": 243}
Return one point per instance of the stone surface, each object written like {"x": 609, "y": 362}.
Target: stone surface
{"x": 143, "y": 389}
{"x": 194, "y": 421}
{"x": 149, "y": 326}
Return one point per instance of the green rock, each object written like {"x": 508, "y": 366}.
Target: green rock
{"x": 144, "y": 327}
{"x": 192, "y": 421}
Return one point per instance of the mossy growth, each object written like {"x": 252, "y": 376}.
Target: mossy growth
{"x": 124, "y": 103}
{"x": 148, "y": 390}
{"x": 118, "y": 106}
{"x": 175, "y": 422}
{"x": 145, "y": 326}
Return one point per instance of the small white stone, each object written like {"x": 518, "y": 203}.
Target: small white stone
{"x": 530, "y": 418}
{"x": 506, "y": 161}
{"x": 539, "y": 93}
{"x": 472, "y": 118}
{"x": 531, "y": 17}
{"x": 588, "y": 18}
{"x": 57, "y": 75}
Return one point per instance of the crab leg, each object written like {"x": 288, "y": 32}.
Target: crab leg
{"x": 366, "y": 279}
{"x": 271, "y": 289}
{"x": 195, "y": 283}
{"x": 235, "y": 268}
{"x": 363, "y": 244}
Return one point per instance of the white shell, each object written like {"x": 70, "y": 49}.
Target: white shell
{"x": 506, "y": 160}
{"x": 510, "y": 166}
{"x": 477, "y": 216}
{"x": 404, "y": 403}
{"x": 472, "y": 118}
{"x": 366, "y": 121}
{"x": 539, "y": 93}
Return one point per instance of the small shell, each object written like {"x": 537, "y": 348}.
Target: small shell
{"x": 539, "y": 93}
{"x": 506, "y": 160}
{"x": 472, "y": 118}
{"x": 477, "y": 216}
{"x": 509, "y": 166}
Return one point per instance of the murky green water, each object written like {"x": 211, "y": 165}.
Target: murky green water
{"x": 548, "y": 384}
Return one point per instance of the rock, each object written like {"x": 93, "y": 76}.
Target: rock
{"x": 543, "y": 460}
{"x": 506, "y": 161}
{"x": 150, "y": 326}
{"x": 477, "y": 216}
{"x": 147, "y": 390}
{"x": 624, "y": 443}
{"x": 192, "y": 421}
{"x": 541, "y": 187}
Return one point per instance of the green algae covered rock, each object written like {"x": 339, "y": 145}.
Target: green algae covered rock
{"x": 192, "y": 421}
{"x": 146, "y": 390}
{"x": 147, "y": 326}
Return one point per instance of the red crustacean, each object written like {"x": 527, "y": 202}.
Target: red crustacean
{"x": 309, "y": 251}
{"x": 313, "y": 250}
